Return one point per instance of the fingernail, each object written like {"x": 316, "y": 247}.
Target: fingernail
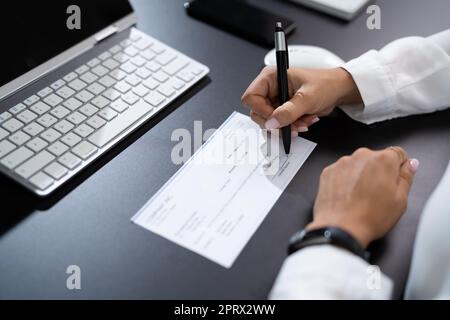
{"x": 414, "y": 165}
{"x": 294, "y": 134}
{"x": 272, "y": 124}
{"x": 315, "y": 120}
{"x": 303, "y": 129}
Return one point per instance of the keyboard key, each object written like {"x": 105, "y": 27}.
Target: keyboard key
{"x": 19, "y": 138}
{"x": 63, "y": 126}
{"x": 153, "y": 66}
{"x": 175, "y": 83}
{"x": 119, "y": 105}
{"x": 71, "y": 139}
{"x": 142, "y": 44}
{"x": 185, "y": 75}
{"x": 166, "y": 89}
{"x": 84, "y": 95}
{"x": 158, "y": 48}
{"x": 128, "y": 67}
{"x": 121, "y": 57}
{"x": 12, "y": 125}
{"x": 175, "y": 66}
{"x": 33, "y": 129}
{"x": 105, "y": 55}
{"x": 195, "y": 69}
{"x": 150, "y": 83}
{"x": 17, "y": 108}
{"x": 58, "y": 148}
{"x": 115, "y": 49}
{"x": 16, "y": 157}
{"x": 107, "y": 81}
{"x": 6, "y": 147}
{"x": 118, "y": 74}
{"x": 88, "y": 110}
{"x": 148, "y": 54}
{"x": 131, "y": 51}
{"x": 50, "y": 135}
{"x": 69, "y": 160}
{"x": 96, "y": 88}
{"x": 5, "y": 116}
{"x": 100, "y": 70}
{"x": 143, "y": 73}
{"x": 82, "y": 69}
{"x": 60, "y": 112}
{"x": 111, "y": 64}
{"x": 100, "y": 102}
{"x": 96, "y": 122}
{"x": 33, "y": 165}
{"x": 140, "y": 90}
{"x": 41, "y": 181}
{"x": 65, "y": 92}
{"x": 47, "y": 120}
{"x": 122, "y": 86}
{"x": 57, "y": 84}
{"x": 107, "y": 113}
{"x": 77, "y": 84}
{"x": 112, "y": 94}
{"x": 112, "y": 129}
{"x": 56, "y": 171}
{"x": 3, "y": 133}
{"x": 37, "y": 144}
{"x": 160, "y": 76}
{"x": 69, "y": 77}
{"x": 154, "y": 98}
{"x": 45, "y": 92}
{"x": 33, "y": 99}
{"x": 76, "y": 118}
{"x": 130, "y": 98}
{"x": 93, "y": 62}
{"x": 26, "y": 116}
{"x": 53, "y": 100}
{"x": 83, "y": 130}
{"x": 88, "y": 77}
{"x": 84, "y": 150}
{"x": 40, "y": 108}
{"x": 138, "y": 61}
{"x": 125, "y": 43}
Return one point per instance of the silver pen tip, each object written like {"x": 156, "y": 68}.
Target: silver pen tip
{"x": 279, "y": 25}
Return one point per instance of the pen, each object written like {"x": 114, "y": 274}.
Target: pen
{"x": 283, "y": 88}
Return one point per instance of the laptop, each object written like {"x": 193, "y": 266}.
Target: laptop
{"x": 76, "y": 77}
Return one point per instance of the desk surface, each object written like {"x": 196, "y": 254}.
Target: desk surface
{"x": 88, "y": 222}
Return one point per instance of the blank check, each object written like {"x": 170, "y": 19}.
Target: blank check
{"x": 217, "y": 200}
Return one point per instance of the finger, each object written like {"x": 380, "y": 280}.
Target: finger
{"x": 397, "y": 154}
{"x": 304, "y": 122}
{"x": 258, "y": 119}
{"x": 299, "y": 105}
{"x": 261, "y": 92}
{"x": 406, "y": 177}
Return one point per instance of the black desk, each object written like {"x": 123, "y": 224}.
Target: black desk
{"x": 88, "y": 222}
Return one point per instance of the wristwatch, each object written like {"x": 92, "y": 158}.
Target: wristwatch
{"x": 330, "y": 235}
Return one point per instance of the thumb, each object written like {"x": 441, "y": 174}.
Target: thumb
{"x": 407, "y": 172}
{"x": 290, "y": 111}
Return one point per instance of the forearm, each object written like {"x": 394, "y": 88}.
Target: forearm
{"x": 409, "y": 76}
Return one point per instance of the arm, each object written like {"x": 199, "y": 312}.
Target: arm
{"x": 409, "y": 76}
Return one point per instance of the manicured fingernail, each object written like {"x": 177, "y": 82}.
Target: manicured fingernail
{"x": 303, "y": 129}
{"x": 315, "y": 120}
{"x": 294, "y": 134}
{"x": 414, "y": 165}
{"x": 272, "y": 124}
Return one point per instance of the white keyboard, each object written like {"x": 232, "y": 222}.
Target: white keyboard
{"x": 55, "y": 133}
{"x": 344, "y": 9}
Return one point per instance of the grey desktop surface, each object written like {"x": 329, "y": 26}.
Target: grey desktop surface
{"x": 88, "y": 223}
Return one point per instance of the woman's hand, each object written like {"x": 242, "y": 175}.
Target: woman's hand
{"x": 365, "y": 193}
{"x": 314, "y": 92}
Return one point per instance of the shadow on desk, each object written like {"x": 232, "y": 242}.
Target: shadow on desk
{"x": 18, "y": 202}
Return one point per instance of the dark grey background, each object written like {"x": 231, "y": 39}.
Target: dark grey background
{"x": 87, "y": 223}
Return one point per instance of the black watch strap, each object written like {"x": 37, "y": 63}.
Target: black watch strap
{"x": 330, "y": 235}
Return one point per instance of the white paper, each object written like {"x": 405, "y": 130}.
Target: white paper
{"x": 217, "y": 200}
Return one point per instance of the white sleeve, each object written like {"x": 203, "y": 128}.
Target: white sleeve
{"x": 409, "y": 76}
{"x": 328, "y": 272}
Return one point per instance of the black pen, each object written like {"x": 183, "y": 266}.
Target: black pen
{"x": 283, "y": 84}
